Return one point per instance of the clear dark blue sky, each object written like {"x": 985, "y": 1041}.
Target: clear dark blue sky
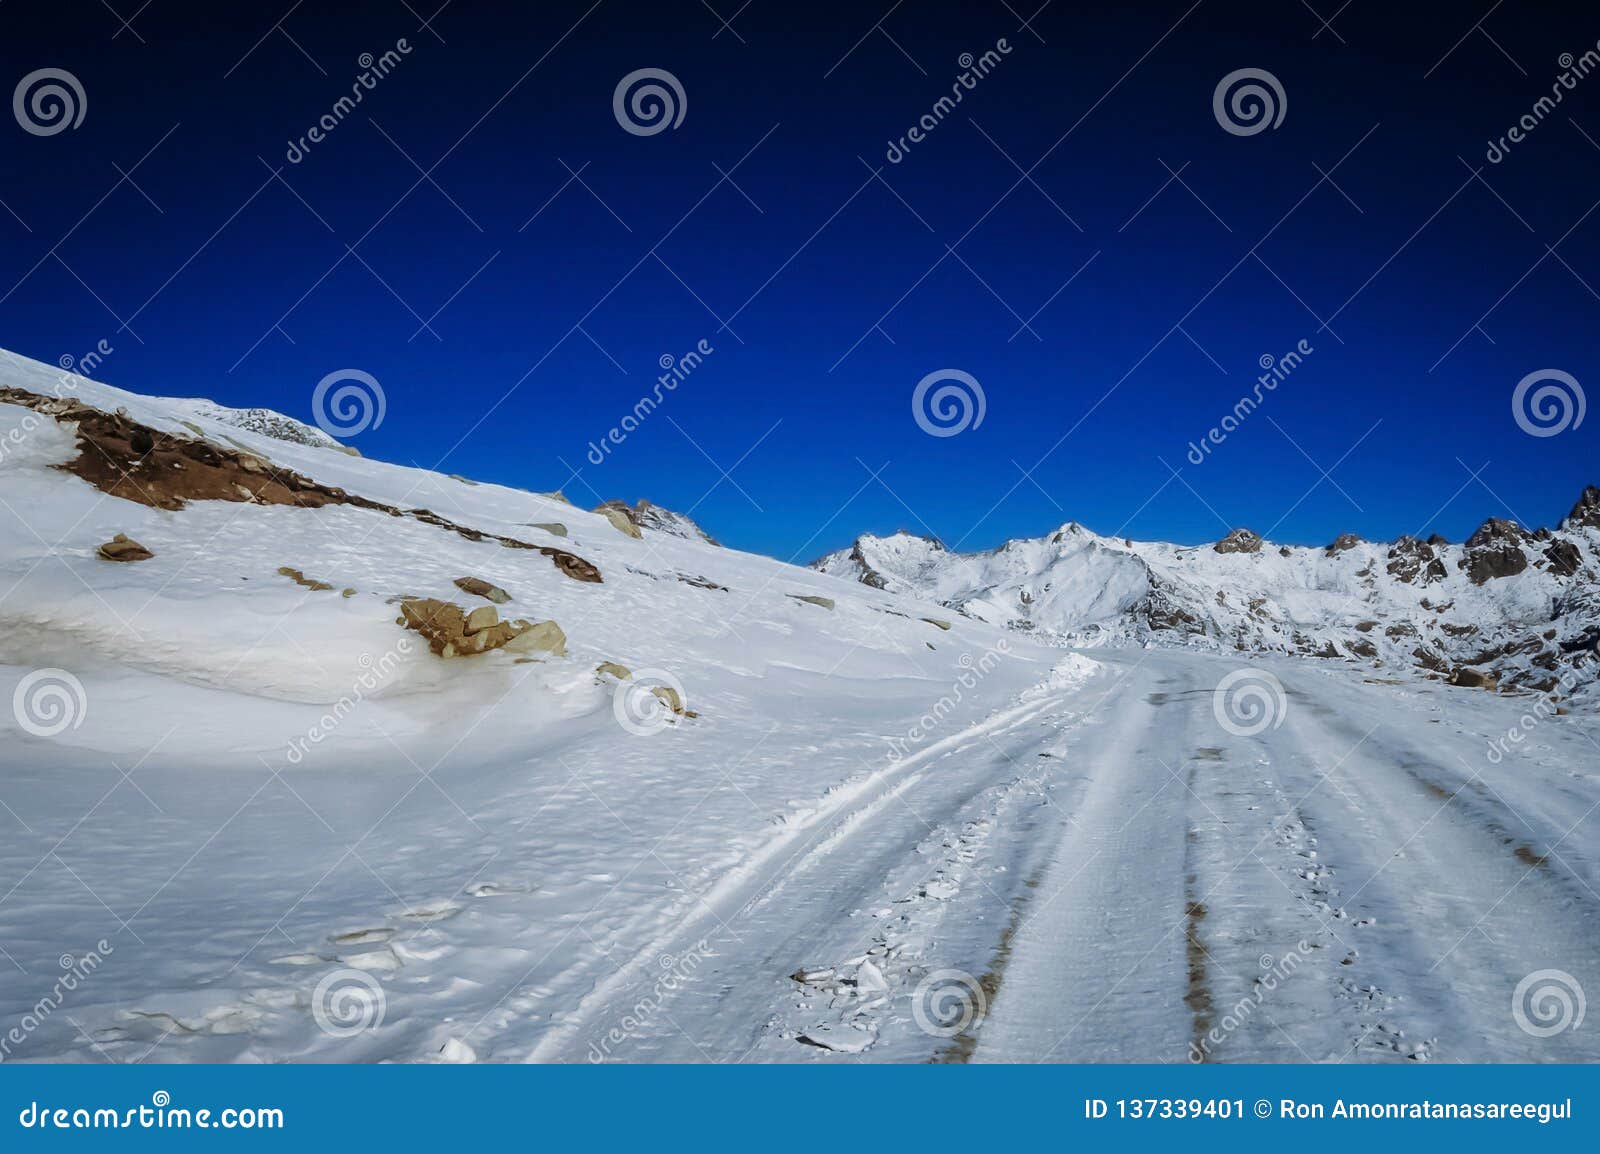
{"x": 821, "y": 288}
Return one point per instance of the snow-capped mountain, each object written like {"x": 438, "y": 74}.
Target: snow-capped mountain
{"x": 266, "y": 422}
{"x": 1514, "y": 603}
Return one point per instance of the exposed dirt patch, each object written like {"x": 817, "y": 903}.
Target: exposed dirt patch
{"x": 138, "y": 463}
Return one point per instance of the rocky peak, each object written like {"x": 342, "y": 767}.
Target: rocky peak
{"x": 1495, "y": 550}
{"x": 1586, "y": 513}
{"x": 1342, "y": 542}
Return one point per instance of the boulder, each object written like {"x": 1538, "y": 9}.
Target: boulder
{"x": 612, "y": 669}
{"x": 452, "y": 632}
{"x": 558, "y": 495}
{"x": 124, "y": 548}
{"x": 539, "y": 637}
{"x": 813, "y": 599}
{"x": 573, "y": 565}
{"x": 1239, "y": 541}
{"x": 945, "y": 625}
{"x": 1473, "y": 678}
{"x": 669, "y": 697}
{"x": 554, "y": 528}
{"x": 621, "y": 517}
{"x": 481, "y": 588}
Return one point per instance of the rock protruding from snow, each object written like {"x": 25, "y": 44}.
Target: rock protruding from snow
{"x": 478, "y": 587}
{"x": 1495, "y": 550}
{"x": 266, "y": 422}
{"x": 621, "y": 517}
{"x": 453, "y": 632}
{"x": 1239, "y": 541}
{"x": 652, "y": 516}
{"x": 124, "y": 548}
{"x": 1586, "y": 513}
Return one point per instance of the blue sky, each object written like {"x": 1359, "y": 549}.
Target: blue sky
{"x": 757, "y": 226}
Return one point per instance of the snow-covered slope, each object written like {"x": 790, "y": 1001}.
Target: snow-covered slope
{"x": 1519, "y": 604}
{"x": 708, "y": 806}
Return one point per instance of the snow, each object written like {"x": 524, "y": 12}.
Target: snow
{"x": 284, "y": 830}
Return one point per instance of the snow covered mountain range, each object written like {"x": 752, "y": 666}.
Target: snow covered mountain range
{"x": 1511, "y": 605}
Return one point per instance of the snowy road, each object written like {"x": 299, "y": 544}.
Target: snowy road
{"x": 1357, "y": 882}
